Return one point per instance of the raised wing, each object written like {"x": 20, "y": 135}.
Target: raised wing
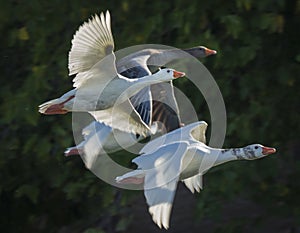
{"x": 198, "y": 132}
{"x": 91, "y": 43}
{"x": 96, "y": 78}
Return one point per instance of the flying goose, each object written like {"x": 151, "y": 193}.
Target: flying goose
{"x": 182, "y": 156}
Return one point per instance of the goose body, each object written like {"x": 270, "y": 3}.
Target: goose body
{"x": 182, "y": 157}
{"x": 94, "y": 91}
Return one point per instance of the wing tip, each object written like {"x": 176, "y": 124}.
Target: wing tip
{"x": 161, "y": 214}
{"x": 95, "y": 34}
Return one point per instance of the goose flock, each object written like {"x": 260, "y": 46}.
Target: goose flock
{"x": 122, "y": 97}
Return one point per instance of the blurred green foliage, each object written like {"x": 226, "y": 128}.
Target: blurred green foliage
{"x": 257, "y": 69}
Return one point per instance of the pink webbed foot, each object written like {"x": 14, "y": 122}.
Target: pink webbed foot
{"x": 55, "y": 109}
{"x": 72, "y": 151}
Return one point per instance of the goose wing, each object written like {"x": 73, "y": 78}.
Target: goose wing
{"x": 91, "y": 83}
{"x": 143, "y": 104}
{"x": 122, "y": 117}
{"x": 165, "y": 107}
{"x": 142, "y": 101}
{"x": 94, "y": 134}
{"x": 194, "y": 183}
{"x": 164, "y": 166}
{"x": 91, "y": 43}
{"x": 195, "y": 130}
{"x": 198, "y": 131}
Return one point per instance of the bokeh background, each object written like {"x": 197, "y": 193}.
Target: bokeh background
{"x": 257, "y": 69}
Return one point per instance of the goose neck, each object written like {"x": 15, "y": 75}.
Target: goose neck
{"x": 226, "y": 155}
{"x": 148, "y": 80}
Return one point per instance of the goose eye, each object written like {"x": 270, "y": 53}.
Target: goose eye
{"x": 256, "y": 147}
{"x": 168, "y": 71}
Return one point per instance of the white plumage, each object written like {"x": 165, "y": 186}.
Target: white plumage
{"x": 92, "y": 42}
{"x": 183, "y": 156}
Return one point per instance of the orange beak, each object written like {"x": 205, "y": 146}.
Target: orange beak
{"x": 268, "y": 150}
{"x": 209, "y": 52}
{"x": 177, "y": 74}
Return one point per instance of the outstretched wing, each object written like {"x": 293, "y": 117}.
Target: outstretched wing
{"x": 91, "y": 43}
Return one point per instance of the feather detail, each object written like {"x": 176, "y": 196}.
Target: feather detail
{"x": 91, "y": 43}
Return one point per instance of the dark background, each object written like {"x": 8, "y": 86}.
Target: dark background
{"x": 257, "y": 70}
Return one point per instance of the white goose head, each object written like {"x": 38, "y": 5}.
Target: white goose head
{"x": 167, "y": 74}
{"x": 256, "y": 151}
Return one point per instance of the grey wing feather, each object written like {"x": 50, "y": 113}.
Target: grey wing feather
{"x": 165, "y": 108}
{"x": 142, "y": 101}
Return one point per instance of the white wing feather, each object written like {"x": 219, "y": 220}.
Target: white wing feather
{"x": 95, "y": 134}
{"x": 91, "y": 43}
{"x": 98, "y": 76}
{"x": 196, "y": 130}
{"x": 161, "y": 213}
{"x": 122, "y": 117}
{"x": 194, "y": 183}
{"x": 161, "y": 180}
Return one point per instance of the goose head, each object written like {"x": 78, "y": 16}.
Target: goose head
{"x": 200, "y": 51}
{"x": 168, "y": 74}
{"x": 257, "y": 151}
